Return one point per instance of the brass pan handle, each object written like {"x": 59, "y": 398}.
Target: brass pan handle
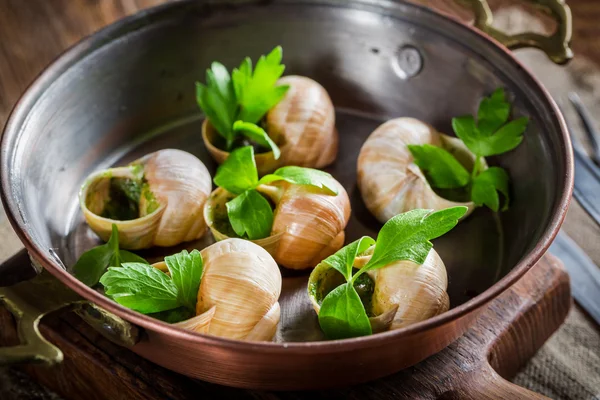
{"x": 30, "y": 300}
{"x": 556, "y": 46}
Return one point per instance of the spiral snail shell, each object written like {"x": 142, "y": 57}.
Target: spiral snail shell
{"x": 390, "y": 182}
{"x": 402, "y": 293}
{"x": 308, "y": 224}
{"x": 168, "y": 189}
{"x": 238, "y": 294}
{"x": 302, "y": 124}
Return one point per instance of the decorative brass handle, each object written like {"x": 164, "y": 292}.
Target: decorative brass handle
{"x": 556, "y": 46}
{"x": 30, "y": 300}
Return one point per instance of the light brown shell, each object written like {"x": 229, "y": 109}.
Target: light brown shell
{"x": 389, "y": 180}
{"x": 238, "y": 294}
{"x": 302, "y": 124}
{"x": 405, "y": 292}
{"x": 308, "y": 224}
{"x": 180, "y": 183}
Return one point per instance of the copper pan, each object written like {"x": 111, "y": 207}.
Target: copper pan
{"x": 128, "y": 90}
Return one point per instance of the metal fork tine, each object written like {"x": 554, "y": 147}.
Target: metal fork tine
{"x": 575, "y": 142}
{"x": 590, "y": 130}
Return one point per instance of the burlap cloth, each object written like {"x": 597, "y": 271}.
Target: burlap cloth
{"x": 568, "y": 365}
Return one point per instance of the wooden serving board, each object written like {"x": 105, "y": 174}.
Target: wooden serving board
{"x": 506, "y": 334}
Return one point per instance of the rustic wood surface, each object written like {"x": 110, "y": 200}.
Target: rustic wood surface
{"x": 32, "y": 34}
{"x": 504, "y": 337}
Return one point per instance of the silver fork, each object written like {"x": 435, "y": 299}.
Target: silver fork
{"x": 593, "y": 135}
{"x": 587, "y": 167}
{"x": 585, "y": 275}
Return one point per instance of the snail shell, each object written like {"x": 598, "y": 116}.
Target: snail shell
{"x": 404, "y": 292}
{"x": 390, "y": 182}
{"x": 308, "y": 225}
{"x": 180, "y": 184}
{"x": 239, "y": 292}
{"x": 302, "y": 124}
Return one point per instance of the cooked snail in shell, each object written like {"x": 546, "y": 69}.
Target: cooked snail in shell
{"x": 156, "y": 200}
{"x": 239, "y": 292}
{"x": 371, "y": 286}
{"x": 308, "y": 221}
{"x": 232, "y": 287}
{"x": 289, "y": 121}
{"x": 389, "y": 180}
{"x": 404, "y": 159}
{"x": 397, "y": 295}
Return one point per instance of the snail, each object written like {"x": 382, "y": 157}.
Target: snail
{"x": 238, "y": 294}
{"x": 156, "y": 200}
{"x": 308, "y": 225}
{"x": 397, "y": 295}
{"x": 297, "y": 214}
{"x": 389, "y": 180}
{"x": 289, "y": 120}
{"x": 302, "y": 124}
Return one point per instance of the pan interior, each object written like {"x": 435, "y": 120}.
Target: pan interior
{"x": 131, "y": 91}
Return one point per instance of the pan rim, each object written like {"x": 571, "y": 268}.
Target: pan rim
{"x": 144, "y": 19}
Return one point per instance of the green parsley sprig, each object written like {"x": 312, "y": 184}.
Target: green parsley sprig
{"x": 92, "y": 264}
{"x": 234, "y": 104}
{"x": 251, "y": 214}
{"x": 404, "y": 237}
{"x": 490, "y": 135}
{"x": 148, "y": 290}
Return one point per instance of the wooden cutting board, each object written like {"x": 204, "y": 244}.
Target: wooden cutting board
{"x": 507, "y": 333}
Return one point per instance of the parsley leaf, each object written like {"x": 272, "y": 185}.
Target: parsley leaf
{"x": 238, "y": 173}
{"x": 216, "y": 108}
{"x": 303, "y": 176}
{"x": 140, "y": 287}
{"x": 486, "y": 187}
{"x": 343, "y": 259}
{"x": 493, "y": 111}
{"x": 148, "y": 290}
{"x": 404, "y": 237}
{"x": 491, "y": 134}
{"x": 256, "y": 91}
{"x": 343, "y": 315}
{"x": 258, "y": 135}
{"x": 439, "y": 166}
{"x": 218, "y": 79}
{"x": 186, "y": 272}
{"x": 250, "y": 214}
{"x": 504, "y": 139}
{"x": 244, "y": 96}
{"x": 92, "y": 264}
{"x": 241, "y": 77}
